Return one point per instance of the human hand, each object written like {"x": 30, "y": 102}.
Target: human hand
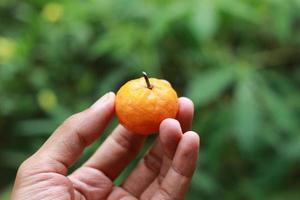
{"x": 163, "y": 173}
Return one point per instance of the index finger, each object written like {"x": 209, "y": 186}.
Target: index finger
{"x": 68, "y": 141}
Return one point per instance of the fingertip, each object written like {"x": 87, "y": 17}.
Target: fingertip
{"x": 186, "y": 101}
{"x": 111, "y": 94}
{"x": 192, "y": 139}
{"x": 108, "y": 100}
{"x": 170, "y": 130}
{"x": 185, "y": 113}
{"x": 169, "y": 123}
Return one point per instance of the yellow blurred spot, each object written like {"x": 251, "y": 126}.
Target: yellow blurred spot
{"x": 53, "y": 12}
{"x": 7, "y": 49}
{"x": 47, "y": 99}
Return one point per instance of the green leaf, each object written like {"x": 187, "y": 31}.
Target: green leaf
{"x": 209, "y": 85}
{"x": 282, "y": 20}
{"x": 291, "y": 148}
{"x": 204, "y": 20}
{"x": 240, "y": 10}
{"x": 161, "y": 21}
{"x": 279, "y": 110}
{"x": 247, "y": 113}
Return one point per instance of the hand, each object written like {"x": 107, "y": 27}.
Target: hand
{"x": 163, "y": 173}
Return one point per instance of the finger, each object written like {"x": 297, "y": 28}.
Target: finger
{"x": 171, "y": 138}
{"x": 66, "y": 144}
{"x": 177, "y": 180}
{"x": 170, "y": 135}
{"x": 145, "y": 171}
{"x": 185, "y": 113}
{"x": 116, "y": 152}
{"x": 184, "y": 116}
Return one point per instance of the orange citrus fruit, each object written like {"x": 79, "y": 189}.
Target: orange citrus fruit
{"x": 143, "y": 103}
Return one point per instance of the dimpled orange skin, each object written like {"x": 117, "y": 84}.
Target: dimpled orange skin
{"x": 140, "y": 109}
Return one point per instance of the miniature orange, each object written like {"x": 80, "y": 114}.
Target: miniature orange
{"x": 143, "y": 103}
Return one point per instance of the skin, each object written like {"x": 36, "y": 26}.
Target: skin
{"x": 164, "y": 172}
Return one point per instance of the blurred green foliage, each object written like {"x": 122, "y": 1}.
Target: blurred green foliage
{"x": 237, "y": 59}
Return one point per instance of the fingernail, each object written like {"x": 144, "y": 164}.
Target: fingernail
{"x": 103, "y": 99}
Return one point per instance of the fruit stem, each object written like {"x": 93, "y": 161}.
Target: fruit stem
{"x": 147, "y": 80}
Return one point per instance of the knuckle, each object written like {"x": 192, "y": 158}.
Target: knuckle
{"x": 72, "y": 124}
{"x": 70, "y": 121}
{"x": 152, "y": 162}
{"x": 24, "y": 168}
{"x": 164, "y": 194}
{"x": 160, "y": 178}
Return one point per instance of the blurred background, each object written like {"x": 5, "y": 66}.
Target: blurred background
{"x": 238, "y": 60}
